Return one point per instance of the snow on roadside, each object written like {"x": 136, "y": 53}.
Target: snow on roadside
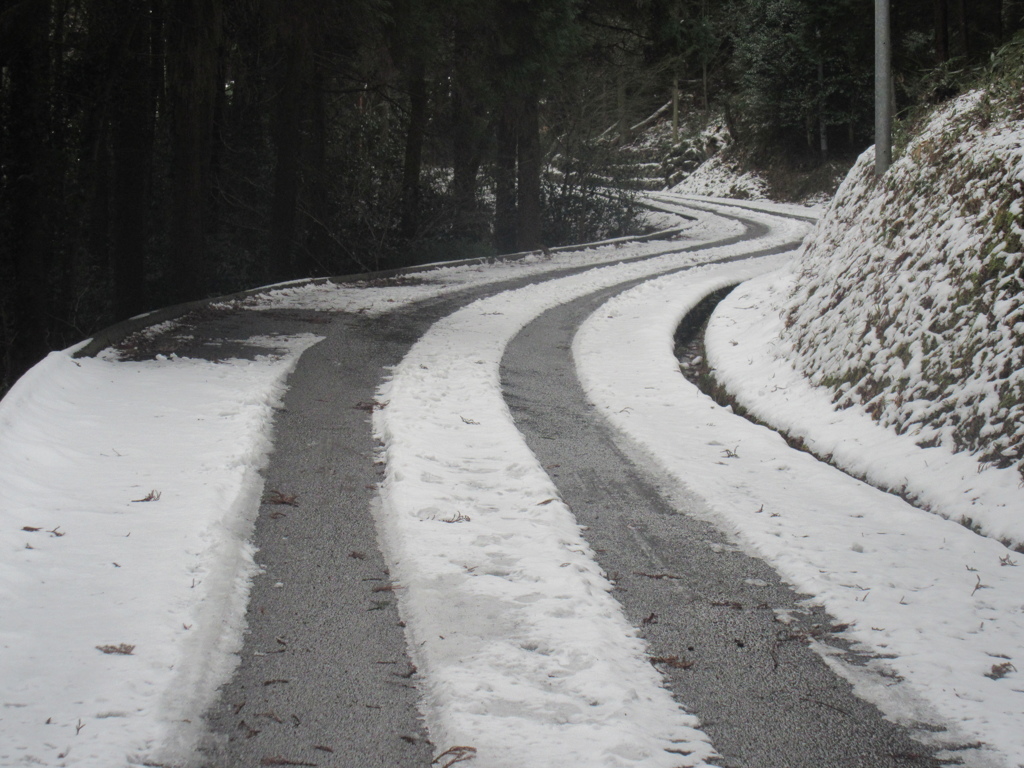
{"x": 798, "y": 210}
{"x": 374, "y": 300}
{"x": 128, "y": 495}
{"x": 718, "y": 177}
{"x": 523, "y": 653}
{"x": 753, "y": 362}
{"x": 931, "y": 597}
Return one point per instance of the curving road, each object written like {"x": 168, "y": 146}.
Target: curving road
{"x": 762, "y": 694}
{"x": 325, "y": 676}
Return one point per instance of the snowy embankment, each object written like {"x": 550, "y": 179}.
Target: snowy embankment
{"x": 719, "y": 178}
{"x": 938, "y": 605}
{"x": 523, "y": 653}
{"x": 749, "y": 357}
{"x": 908, "y": 301}
{"x": 129, "y": 492}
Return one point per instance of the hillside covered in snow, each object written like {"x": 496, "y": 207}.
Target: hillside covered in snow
{"x": 908, "y": 298}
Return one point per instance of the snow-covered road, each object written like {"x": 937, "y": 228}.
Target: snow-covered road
{"x": 524, "y": 656}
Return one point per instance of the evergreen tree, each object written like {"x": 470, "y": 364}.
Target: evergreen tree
{"x": 803, "y": 67}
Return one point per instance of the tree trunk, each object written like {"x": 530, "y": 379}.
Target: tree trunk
{"x": 987, "y": 24}
{"x": 675, "y": 110}
{"x": 465, "y": 163}
{"x": 1013, "y": 17}
{"x": 28, "y": 249}
{"x": 159, "y": 59}
{"x": 960, "y": 8}
{"x": 132, "y": 149}
{"x": 704, "y": 58}
{"x": 730, "y": 121}
{"x": 620, "y": 108}
{"x": 98, "y": 190}
{"x": 288, "y": 139}
{"x": 529, "y": 236}
{"x": 218, "y": 121}
{"x": 318, "y": 248}
{"x": 414, "y": 148}
{"x": 941, "y": 31}
{"x": 193, "y": 33}
{"x": 505, "y": 181}
{"x": 704, "y": 83}
{"x": 469, "y": 130}
{"x": 822, "y": 124}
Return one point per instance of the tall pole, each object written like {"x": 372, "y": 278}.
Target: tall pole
{"x": 675, "y": 110}
{"x": 883, "y": 88}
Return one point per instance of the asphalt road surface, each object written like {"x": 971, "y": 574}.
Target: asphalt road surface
{"x": 324, "y": 678}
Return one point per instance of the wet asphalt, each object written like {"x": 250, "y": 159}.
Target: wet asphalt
{"x": 324, "y": 678}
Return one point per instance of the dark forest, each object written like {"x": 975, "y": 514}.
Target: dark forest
{"x": 157, "y": 151}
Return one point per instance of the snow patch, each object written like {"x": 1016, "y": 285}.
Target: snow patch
{"x": 129, "y": 495}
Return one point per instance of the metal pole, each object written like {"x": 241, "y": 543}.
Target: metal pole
{"x": 675, "y": 110}
{"x": 883, "y": 88}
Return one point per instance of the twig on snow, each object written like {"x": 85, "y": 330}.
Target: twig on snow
{"x": 457, "y": 755}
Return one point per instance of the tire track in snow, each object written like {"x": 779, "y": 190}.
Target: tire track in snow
{"x": 905, "y": 581}
{"x": 523, "y": 653}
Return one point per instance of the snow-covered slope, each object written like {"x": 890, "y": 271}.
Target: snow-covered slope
{"x": 719, "y": 178}
{"x": 908, "y": 299}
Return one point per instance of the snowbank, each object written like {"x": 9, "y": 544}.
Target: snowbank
{"x": 129, "y": 492}
{"x": 749, "y": 360}
{"x": 718, "y": 178}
